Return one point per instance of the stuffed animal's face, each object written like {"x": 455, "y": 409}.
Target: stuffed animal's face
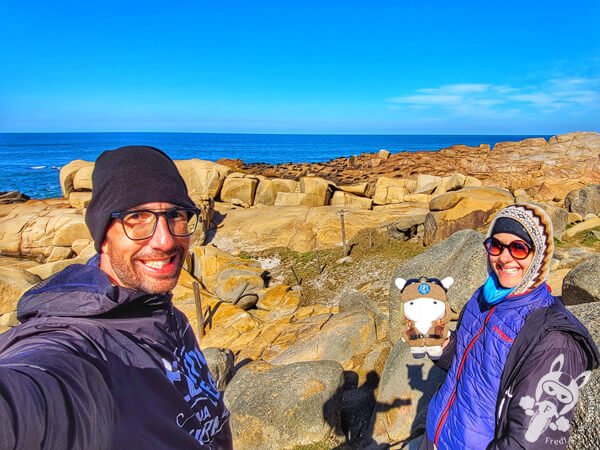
{"x": 424, "y": 301}
{"x": 424, "y": 309}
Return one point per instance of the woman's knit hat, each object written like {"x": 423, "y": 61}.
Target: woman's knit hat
{"x": 535, "y": 222}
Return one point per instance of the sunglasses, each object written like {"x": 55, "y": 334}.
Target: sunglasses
{"x": 517, "y": 249}
{"x": 424, "y": 279}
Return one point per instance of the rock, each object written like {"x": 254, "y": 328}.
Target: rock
{"x": 344, "y": 199}
{"x": 405, "y": 389}
{"x": 586, "y": 419}
{"x": 355, "y": 301}
{"x": 239, "y": 286}
{"x": 360, "y": 189}
{"x": 427, "y": 184}
{"x": 582, "y": 283}
{"x": 297, "y": 199}
{"x": 68, "y": 173}
{"x": 406, "y": 227}
{"x": 44, "y": 271}
{"x": 285, "y": 407}
{"x": 239, "y": 191}
{"x": 574, "y": 218}
{"x": 299, "y": 228}
{"x": 59, "y": 253}
{"x": 392, "y": 190}
{"x": 583, "y": 226}
{"x": 210, "y": 265}
{"x": 203, "y": 178}
{"x": 461, "y": 256}
{"x": 220, "y": 363}
{"x": 418, "y": 198}
{"x": 557, "y": 190}
{"x": 318, "y": 187}
{"x": 278, "y": 298}
{"x": 558, "y": 216}
{"x": 80, "y": 200}
{"x": 267, "y": 190}
{"x": 468, "y": 208}
{"x": 383, "y": 154}
{"x": 584, "y": 200}
{"x": 12, "y": 197}
{"x": 14, "y": 282}
{"x": 82, "y": 181}
{"x": 74, "y": 229}
{"x": 343, "y": 337}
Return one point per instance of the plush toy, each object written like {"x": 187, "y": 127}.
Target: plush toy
{"x": 425, "y": 312}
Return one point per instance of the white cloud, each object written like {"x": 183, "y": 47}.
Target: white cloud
{"x": 481, "y": 99}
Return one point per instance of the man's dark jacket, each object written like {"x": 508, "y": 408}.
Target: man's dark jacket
{"x": 97, "y": 366}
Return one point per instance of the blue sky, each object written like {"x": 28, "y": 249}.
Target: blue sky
{"x": 397, "y": 67}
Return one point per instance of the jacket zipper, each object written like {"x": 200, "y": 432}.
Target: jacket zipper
{"x": 458, "y": 373}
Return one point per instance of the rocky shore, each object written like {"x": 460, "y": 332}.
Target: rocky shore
{"x": 302, "y": 331}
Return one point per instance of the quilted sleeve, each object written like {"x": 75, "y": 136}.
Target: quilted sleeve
{"x": 544, "y": 396}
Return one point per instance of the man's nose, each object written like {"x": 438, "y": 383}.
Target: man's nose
{"x": 162, "y": 239}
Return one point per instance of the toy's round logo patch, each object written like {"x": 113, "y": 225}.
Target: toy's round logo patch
{"x": 424, "y": 289}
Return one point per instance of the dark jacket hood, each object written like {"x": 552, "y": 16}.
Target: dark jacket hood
{"x": 96, "y": 295}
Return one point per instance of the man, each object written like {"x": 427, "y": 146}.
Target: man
{"x": 102, "y": 359}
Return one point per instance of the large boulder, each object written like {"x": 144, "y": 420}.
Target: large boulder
{"x": 467, "y": 208}
{"x": 461, "y": 256}
{"x": 586, "y": 419}
{"x": 582, "y": 283}
{"x": 67, "y": 175}
{"x": 318, "y": 187}
{"x": 405, "y": 389}
{"x": 586, "y": 225}
{"x": 220, "y": 363}
{"x": 343, "y": 337}
{"x": 392, "y": 190}
{"x": 267, "y": 190}
{"x": 299, "y": 228}
{"x": 239, "y": 190}
{"x": 14, "y": 281}
{"x": 558, "y": 216}
{"x": 202, "y": 178}
{"x": 344, "y": 199}
{"x": 284, "y": 407}
{"x": 584, "y": 200}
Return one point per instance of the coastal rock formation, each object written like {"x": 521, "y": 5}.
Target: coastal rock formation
{"x": 526, "y": 164}
{"x": 283, "y": 407}
{"x": 332, "y": 364}
{"x": 584, "y": 200}
{"x": 582, "y": 283}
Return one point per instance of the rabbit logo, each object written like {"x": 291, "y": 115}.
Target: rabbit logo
{"x": 555, "y": 395}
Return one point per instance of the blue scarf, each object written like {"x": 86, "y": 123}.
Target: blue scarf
{"x": 492, "y": 291}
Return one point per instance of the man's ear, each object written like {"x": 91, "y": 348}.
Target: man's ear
{"x": 400, "y": 282}
{"x": 447, "y": 282}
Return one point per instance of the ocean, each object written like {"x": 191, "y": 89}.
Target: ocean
{"x": 30, "y": 162}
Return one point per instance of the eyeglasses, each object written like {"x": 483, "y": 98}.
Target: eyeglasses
{"x": 140, "y": 224}
{"x": 517, "y": 249}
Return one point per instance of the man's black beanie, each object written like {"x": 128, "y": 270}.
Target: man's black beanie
{"x": 130, "y": 176}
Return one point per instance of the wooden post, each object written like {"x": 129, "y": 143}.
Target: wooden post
{"x": 341, "y": 213}
{"x": 199, "y": 314}
{"x": 298, "y": 280}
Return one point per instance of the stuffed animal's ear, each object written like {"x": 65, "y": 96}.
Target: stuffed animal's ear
{"x": 400, "y": 282}
{"x": 447, "y": 282}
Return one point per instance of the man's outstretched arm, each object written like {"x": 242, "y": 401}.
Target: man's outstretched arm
{"x": 53, "y": 400}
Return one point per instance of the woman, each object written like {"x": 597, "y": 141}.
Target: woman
{"x": 519, "y": 357}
